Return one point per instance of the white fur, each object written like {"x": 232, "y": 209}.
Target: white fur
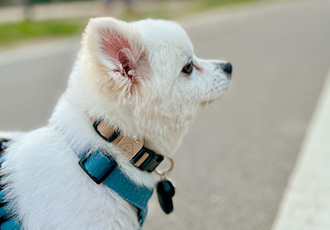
{"x": 145, "y": 95}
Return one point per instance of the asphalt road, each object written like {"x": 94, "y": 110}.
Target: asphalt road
{"x": 233, "y": 166}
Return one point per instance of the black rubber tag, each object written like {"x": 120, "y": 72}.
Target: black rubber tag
{"x": 166, "y": 191}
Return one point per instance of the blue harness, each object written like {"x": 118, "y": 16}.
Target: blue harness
{"x": 104, "y": 169}
{"x": 101, "y": 168}
{"x": 7, "y": 219}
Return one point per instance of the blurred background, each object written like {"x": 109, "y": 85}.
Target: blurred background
{"x": 238, "y": 166}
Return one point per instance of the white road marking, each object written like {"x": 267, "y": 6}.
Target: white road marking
{"x": 306, "y": 202}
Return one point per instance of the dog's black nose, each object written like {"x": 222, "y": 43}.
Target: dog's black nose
{"x": 228, "y": 68}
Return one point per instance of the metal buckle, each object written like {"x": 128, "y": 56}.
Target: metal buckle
{"x": 147, "y": 160}
{"x": 115, "y": 134}
{"x": 98, "y": 180}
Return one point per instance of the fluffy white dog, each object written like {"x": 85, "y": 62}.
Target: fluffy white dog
{"x": 135, "y": 85}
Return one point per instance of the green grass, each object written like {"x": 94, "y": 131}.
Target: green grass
{"x": 194, "y": 7}
{"x": 13, "y": 33}
{"x": 208, "y": 4}
{"x": 28, "y": 30}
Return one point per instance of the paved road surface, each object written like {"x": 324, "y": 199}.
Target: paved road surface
{"x": 234, "y": 164}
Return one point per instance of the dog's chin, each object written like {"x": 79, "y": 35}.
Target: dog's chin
{"x": 214, "y": 98}
{"x": 205, "y": 104}
{"x": 209, "y": 101}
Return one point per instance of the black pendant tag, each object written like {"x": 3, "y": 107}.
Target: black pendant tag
{"x": 165, "y": 191}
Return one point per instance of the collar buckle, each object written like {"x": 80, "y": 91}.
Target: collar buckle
{"x": 97, "y": 166}
{"x": 147, "y": 160}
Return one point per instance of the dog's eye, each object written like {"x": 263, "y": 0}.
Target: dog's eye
{"x": 187, "y": 69}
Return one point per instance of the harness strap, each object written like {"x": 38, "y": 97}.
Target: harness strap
{"x": 104, "y": 169}
{"x": 8, "y": 221}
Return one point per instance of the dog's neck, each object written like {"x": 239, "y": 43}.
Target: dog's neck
{"x": 162, "y": 133}
{"x": 77, "y": 130}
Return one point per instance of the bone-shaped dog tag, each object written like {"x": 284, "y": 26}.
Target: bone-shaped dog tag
{"x": 166, "y": 191}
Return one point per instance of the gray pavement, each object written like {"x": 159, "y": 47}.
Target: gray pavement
{"x": 234, "y": 164}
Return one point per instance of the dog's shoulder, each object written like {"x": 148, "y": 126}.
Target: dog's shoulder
{"x": 33, "y": 142}
{"x": 31, "y": 155}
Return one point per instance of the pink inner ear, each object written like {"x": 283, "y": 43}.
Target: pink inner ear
{"x": 118, "y": 49}
{"x": 112, "y": 42}
{"x": 129, "y": 59}
{"x": 125, "y": 60}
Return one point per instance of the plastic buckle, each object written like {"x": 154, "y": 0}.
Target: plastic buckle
{"x": 150, "y": 163}
{"x": 115, "y": 134}
{"x": 98, "y": 180}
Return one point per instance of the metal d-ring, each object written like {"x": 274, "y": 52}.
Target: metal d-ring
{"x": 162, "y": 174}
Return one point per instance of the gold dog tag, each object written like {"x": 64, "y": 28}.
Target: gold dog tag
{"x": 130, "y": 147}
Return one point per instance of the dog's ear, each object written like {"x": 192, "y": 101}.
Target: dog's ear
{"x": 119, "y": 48}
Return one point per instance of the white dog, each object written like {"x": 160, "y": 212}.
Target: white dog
{"x": 134, "y": 86}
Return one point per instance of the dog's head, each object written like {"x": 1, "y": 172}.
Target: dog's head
{"x": 144, "y": 77}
